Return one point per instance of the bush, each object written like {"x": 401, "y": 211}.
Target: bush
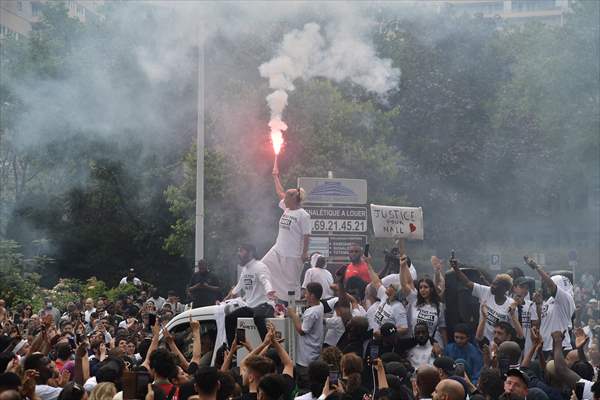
{"x": 18, "y": 285}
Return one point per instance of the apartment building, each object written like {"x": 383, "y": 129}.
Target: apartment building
{"x": 17, "y": 16}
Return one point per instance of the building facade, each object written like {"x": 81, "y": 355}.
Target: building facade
{"x": 549, "y": 11}
{"x": 18, "y": 16}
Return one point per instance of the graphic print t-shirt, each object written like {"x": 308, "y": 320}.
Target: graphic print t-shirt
{"x": 428, "y": 313}
{"x": 496, "y": 312}
{"x": 381, "y": 312}
{"x": 293, "y": 225}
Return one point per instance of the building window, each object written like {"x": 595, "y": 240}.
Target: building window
{"x": 532, "y": 5}
{"x": 19, "y": 5}
{"x": 36, "y": 9}
{"x": 80, "y": 11}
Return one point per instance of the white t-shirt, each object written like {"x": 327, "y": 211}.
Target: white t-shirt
{"x": 335, "y": 330}
{"x": 496, "y": 312}
{"x": 46, "y": 392}
{"x": 428, "y": 313}
{"x": 309, "y": 344}
{"x": 255, "y": 281}
{"x": 528, "y": 315}
{"x": 90, "y": 384}
{"x": 395, "y": 278}
{"x": 293, "y": 225}
{"x": 420, "y": 355}
{"x": 382, "y": 312}
{"x": 306, "y": 396}
{"x": 322, "y": 276}
{"x": 556, "y": 316}
{"x": 587, "y": 389}
{"x": 136, "y": 281}
{"x": 87, "y": 314}
{"x": 158, "y": 302}
{"x": 359, "y": 311}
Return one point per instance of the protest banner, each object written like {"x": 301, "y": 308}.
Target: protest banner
{"x": 397, "y": 222}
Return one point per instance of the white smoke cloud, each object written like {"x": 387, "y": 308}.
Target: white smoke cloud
{"x": 340, "y": 54}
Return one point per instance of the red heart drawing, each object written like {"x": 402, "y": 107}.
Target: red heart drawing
{"x": 412, "y": 227}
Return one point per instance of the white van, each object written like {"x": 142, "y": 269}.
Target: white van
{"x": 212, "y": 319}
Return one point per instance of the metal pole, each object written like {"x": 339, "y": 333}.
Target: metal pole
{"x": 199, "y": 237}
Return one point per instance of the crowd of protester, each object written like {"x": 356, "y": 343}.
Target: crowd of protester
{"x": 360, "y": 334}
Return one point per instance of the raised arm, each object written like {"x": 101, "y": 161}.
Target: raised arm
{"x": 278, "y": 186}
{"x": 82, "y": 364}
{"x": 537, "y": 343}
{"x": 460, "y": 275}
{"x": 265, "y": 343}
{"x": 183, "y": 362}
{"x": 382, "y": 382}
{"x": 375, "y": 280}
{"x": 197, "y": 341}
{"x": 153, "y": 344}
{"x": 581, "y": 340}
{"x": 481, "y": 325}
{"x": 438, "y": 275}
{"x": 515, "y": 320}
{"x": 405, "y": 277}
{"x": 563, "y": 372}
{"x": 286, "y": 361}
{"x": 229, "y": 357}
{"x": 543, "y": 275}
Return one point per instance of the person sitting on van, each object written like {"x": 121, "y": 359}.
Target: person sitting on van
{"x": 255, "y": 282}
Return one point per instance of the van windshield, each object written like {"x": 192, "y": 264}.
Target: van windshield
{"x": 184, "y": 340}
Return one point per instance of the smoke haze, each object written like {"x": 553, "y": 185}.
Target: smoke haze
{"x": 130, "y": 96}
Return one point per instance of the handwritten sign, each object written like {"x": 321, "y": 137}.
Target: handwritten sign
{"x": 397, "y": 222}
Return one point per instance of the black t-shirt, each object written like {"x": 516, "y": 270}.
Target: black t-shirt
{"x": 205, "y": 297}
{"x": 289, "y": 386}
{"x": 249, "y": 396}
{"x": 357, "y": 394}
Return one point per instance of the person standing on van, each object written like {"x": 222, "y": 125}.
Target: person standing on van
{"x": 204, "y": 288}
{"x": 286, "y": 257}
{"x": 255, "y": 282}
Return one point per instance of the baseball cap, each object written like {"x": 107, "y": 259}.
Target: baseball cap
{"x": 518, "y": 373}
{"x": 446, "y": 364}
{"x": 387, "y": 329}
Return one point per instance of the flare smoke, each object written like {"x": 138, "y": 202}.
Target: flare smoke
{"x": 338, "y": 55}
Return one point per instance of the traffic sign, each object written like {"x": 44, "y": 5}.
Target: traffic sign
{"x": 338, "y": 219}
{"x": 334, "y": 191}
{"x": 572, "y": 255}
{"x": 495, "y": 262}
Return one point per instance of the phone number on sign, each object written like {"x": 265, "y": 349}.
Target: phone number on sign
{"x": 338, "y": 225}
